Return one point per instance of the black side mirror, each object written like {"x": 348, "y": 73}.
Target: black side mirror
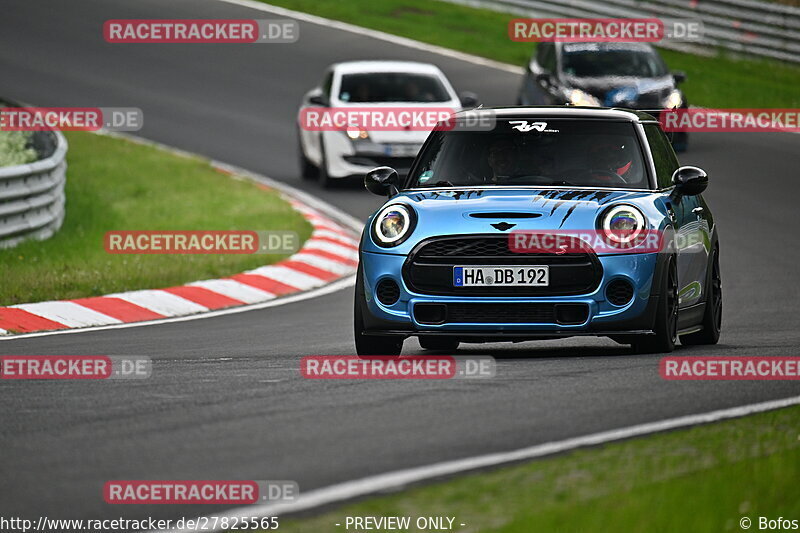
{"x": 679, "y": 76}
{"x": 690, "y": 181}
{"x": 382, "y": 181}
{"x": 469, "y": 100}
{"x": 318, "y": 99}
{"x": 545, "y": 78}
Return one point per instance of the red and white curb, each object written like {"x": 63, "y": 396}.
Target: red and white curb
{"x": 331, "y": 253}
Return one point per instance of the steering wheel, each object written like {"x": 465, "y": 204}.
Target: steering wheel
{"x": 609, "y": 175}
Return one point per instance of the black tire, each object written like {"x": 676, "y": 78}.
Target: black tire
{"x": 712, "y": 318}
{"x": 370, "y": 344}
{"x": 440, "y": 344}
{"x": 324, "y": 179}
{"x": 666, "y": 327}
{"x": 307, "y": 169}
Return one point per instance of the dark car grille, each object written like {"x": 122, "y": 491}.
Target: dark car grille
{"x": 429, "y": 268}
{"x": 497, "y": 313}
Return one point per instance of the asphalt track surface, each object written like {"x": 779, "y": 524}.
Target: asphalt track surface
{"x": 226, "y": 400}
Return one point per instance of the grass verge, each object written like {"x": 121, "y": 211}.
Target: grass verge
{"x": 114, "y": 184}
{"x": 719, "y": 81}
{"x": 701, "y": 479}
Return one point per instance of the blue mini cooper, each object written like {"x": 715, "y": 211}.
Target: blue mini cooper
{"x": 552, "y": 222}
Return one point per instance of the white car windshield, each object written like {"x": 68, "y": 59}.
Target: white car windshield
{"x": 391, "y": 87}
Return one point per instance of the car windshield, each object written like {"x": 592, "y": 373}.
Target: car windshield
{"x": 534, "y": 152}
{"x": 391, "y": 87}
{"x": 595, "y": 62}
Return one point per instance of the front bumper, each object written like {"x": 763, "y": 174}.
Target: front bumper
{"x": 347, "y": 158}
{"x": 601, "y": 317}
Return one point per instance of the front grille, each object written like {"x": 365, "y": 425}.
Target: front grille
{"x": 429, "y": 267}
{"x": 501, "y": 313}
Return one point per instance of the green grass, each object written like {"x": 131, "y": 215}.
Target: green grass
{"x": 719, "y": 81}
{"x": 113, "y": 184}
{"x": 700, "y": 479}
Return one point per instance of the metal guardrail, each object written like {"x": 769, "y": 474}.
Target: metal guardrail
{"x": 32, "y": 196}
{"x": 763, "y": 29}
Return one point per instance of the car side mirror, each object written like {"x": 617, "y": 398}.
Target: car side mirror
{"x": 318, "y": 99}
{"x": 679, "y": 76}
{"x": 382, "y": 181}
{"x": 690, "y": 181}
{"x": 469, "y": 100}
{"x": 545, "y": 78}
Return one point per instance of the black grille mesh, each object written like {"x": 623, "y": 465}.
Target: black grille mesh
{"x": 619, "y": 292}
{"x": 388, "y": 292}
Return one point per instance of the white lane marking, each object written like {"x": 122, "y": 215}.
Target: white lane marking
{"x": 400, "y": 478}
{"x": 233, "y": 289}
{"x": 348, "y": 252}
{"x": 327, "y": 289}
{"x": 68, "y": 313}
{"x": 288, "y": 276}
{"x": 161, "y": 302}
{"x": 324, "y": 263}
{"x": 383, "y": 36}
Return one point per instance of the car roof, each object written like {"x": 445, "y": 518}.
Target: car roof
{"x": 615, "y": 113}
{"x": 411, "y": 67}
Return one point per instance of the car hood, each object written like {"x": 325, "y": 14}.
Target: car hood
{"x": 474, "y": 211}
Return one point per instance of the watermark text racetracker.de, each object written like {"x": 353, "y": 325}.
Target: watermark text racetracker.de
{"x": 730, "y": 120}
{"x": 68, "y": 367}
{"x": 396, "y": 367}
{"x": 186, "y": 31}
{"x": 44, "y": 524}
{"x": 201, "y": 242}
{"x": 739, "y": 368}
{"x": 609, "y": 30}
{"x": 71, "y": 118}
{"x": 353, "y": 119}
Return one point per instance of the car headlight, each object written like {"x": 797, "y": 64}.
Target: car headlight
{"x": 623, "y": 225}
{"x": 356, "y": 133}
{"x": 582, "y": 98}
{"x": 675, "y": 99}
{"x": 393, "y": 225}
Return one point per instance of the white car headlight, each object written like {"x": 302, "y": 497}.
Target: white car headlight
{"x": 622, "y": 224}
{"x": 393, "y": 224}
{"x": 356, "y": 133}
{"x": 582, "y": 98}
{"x": 674, "y": 100}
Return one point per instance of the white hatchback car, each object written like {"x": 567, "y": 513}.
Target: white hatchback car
{"x": 339, "y": 153}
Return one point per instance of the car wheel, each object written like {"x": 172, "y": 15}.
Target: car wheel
{"x": 712, "y": 318}
{"x": 666, "y": 328}
{"x": 436, "y": 343}
{"x": 307, "y": 168}
{"x": 370, "y": 344}
{"x": 322, "y": 176}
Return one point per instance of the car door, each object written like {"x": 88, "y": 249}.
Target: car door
{"x": 542, "y": 82}
{"x": 688, "y": 214}
{"x": 312, "y": 139}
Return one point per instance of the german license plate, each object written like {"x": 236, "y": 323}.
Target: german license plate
{"x": 501, "y": 276}
{"x": 401, "y": 150}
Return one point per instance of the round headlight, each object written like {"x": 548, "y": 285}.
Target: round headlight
{"x": 393, "y": 224}
{"x": 623, "y": 224}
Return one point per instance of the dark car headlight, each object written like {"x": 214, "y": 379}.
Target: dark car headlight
{"x": 393, "y": 225}
{"x": 622, "y": 224}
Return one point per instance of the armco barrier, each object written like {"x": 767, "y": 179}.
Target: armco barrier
{"x": 32, "y": 197}
{"x": 764, "y": 29}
